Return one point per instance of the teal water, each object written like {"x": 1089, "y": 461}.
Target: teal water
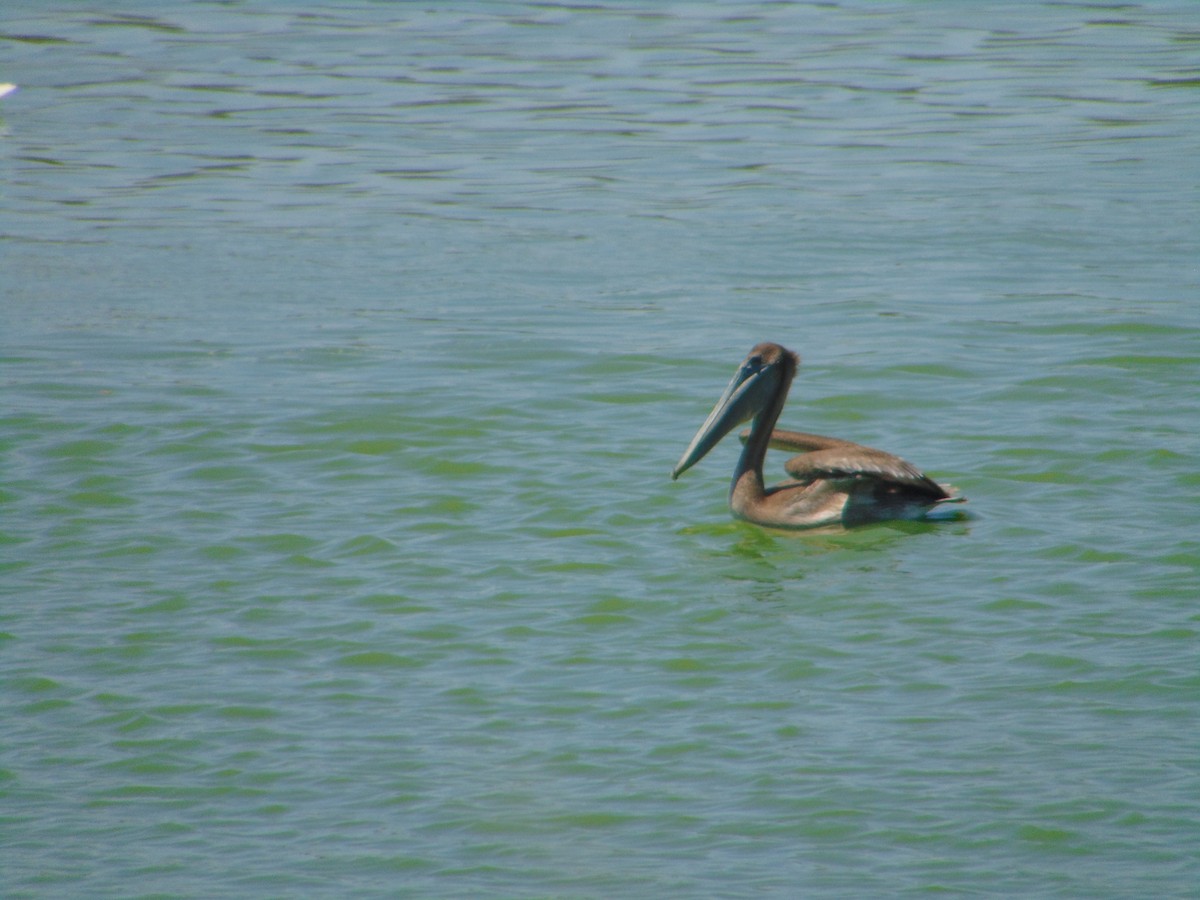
{"x": 346, "y": 350}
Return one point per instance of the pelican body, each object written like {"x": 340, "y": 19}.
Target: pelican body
{"x": 833, "y": 482}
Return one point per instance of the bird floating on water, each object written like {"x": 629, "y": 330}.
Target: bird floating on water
{"x": 6, "y": 89}
{"x": 833, "y": 482}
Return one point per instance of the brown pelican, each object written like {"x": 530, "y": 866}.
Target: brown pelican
{"x": 833, "y": 481}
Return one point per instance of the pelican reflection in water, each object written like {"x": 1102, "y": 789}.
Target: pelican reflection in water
{"x": 832, "y": 481}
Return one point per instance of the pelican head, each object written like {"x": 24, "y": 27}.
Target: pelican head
{"x": 762, "y": 378}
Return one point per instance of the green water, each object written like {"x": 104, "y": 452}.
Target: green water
{"x": 346, "y": 351}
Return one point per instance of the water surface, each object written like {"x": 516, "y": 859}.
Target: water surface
{"x": 346, "y": 351}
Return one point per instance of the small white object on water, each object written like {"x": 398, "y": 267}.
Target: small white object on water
{"x": 6, "y": 89}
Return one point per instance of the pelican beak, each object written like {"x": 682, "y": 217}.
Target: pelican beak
{"x": 741, "y": 400}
